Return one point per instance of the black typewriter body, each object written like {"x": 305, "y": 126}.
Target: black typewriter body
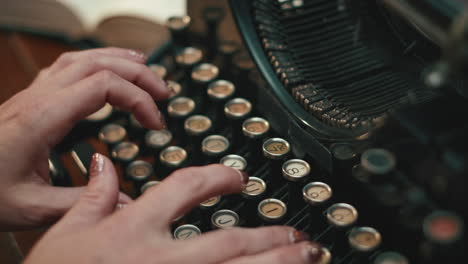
{"x": 336, "y": 125}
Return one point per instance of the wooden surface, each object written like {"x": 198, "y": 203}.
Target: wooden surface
{"x": 22, "y": 56}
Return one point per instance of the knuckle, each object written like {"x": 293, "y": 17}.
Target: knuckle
{"x": 141, "y": 99}
{"x": 66, "y": 57}
{"x": 238, "y": 239}
{"x": 189, "y": 178}
{"x": 105, "y": 77}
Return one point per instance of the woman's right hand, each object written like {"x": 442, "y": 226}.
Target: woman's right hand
{"x": 91, "y": 232}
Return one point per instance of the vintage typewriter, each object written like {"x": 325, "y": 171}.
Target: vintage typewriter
{"x": 350, "y": 120}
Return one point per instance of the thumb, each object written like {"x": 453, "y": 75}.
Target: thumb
{"x": 99, "y": 198}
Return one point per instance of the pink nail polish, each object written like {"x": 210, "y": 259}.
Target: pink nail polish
{"x": 137, "y": 54}
{"x": 97, "y": 165}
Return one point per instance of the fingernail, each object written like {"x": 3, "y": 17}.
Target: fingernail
{"x": 97, "y": 165}
{"x": 137, "y": 54}
{"x": 120, "y": 206}
{"x": 313, "y": 252}
{"x": 162, "y": 120}
{"x": 244, "y": 177}
{"x": 298, "y": 236}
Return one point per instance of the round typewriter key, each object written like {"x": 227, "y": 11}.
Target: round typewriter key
{"x": 181, "y": 107}
{"x": 272, "y": 210}
{"x": 205, "y": 73}
{"x": 342, "y": 215}
{"x": 148, "y": 185}
{"x": 224, "y": 219}
{"x": 390, "y": 257}
{"x": 158, "y": 139}
{"x": 173, "y": 156}
{"x": 378, "y": 161}
{"x": 159, "y": 70}
{"x": 101, "y": 114}
{"x": 276, "y": 148}
{"x": 178, "y": 23}
{"x": 211, "y": 202}
{"x": 189, "y": 56}
{"x": 234, "y": 161}
{"x": 175, "y": 88}
{"x": 215, "y": 145}
{"x": 296, "y": 170}
{"x": 221, "y": 90}
{"x": 185, "y": 232}
{"x": 112, "y": 134}
{"x": 139, "y": 170}
{"x": 255, "y": 127}
{"x": 237, "y": 108}
{"x": 125, "y": 152}
{"x": 197, "y": 125}
{"x": 443, "y": 227}
{"x": 364, "y": 239}
{"x": 316, "y": 193}
{"x": 254, "y": 188}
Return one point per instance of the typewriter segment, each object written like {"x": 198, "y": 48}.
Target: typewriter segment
{"x": 344, "y": 178}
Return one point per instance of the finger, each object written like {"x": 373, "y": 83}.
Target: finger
{"x": 302, "y": 253}
{"x": 136, "y": 73}
{"x": 184, "y": 189}
{"x": 98, "y": 200}
{"x": 87, "y": 96}
{"x": 68, "y": 58}
{"x": 223, "y": 245}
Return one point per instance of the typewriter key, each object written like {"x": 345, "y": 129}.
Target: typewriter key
{"x": 364, "y": 239}
{"x": 254, "y": 188}
{"x": 342, "y": 215}
{"x": 237, "y": 108}
{"x": 112, "y": 134}
{"x": 316, "y": 195}
{"x": 148, "y": 185}
{"x": 139, "y": 171}
{"x": 272, "y": 210}
{"x": 255, "y": 127}
{"x": 296, "y": 170}
{"x": 276, "y": 148}
{"x": 197, "y": 125}
{"x": 185, "y": 232}
{"x": 211, "y": 202}
{"x": 101, "y": 114}
{"x": 234, "y": 161}
{"x": 180, "y": 107}
{"x": 204, "y": 73}
{"x": 175, "y": 88}
{"x": 443, "y": 231}
{"x": 201, "y": 76}
{"x": 224, "y": 219}
{"x": 125, "y": 152}
{"x": 188, "y": 57}
{"x": 376, "y": 165}
{"x": 155, "y": 140}
{"x": 178, "y": 25}
{"x": 173, "y": 156}
{"x": 390, "y": 257}
{"x": 159, "y": 70}
{"x": 214, "y": 146}
{"x": 221, "y": 90}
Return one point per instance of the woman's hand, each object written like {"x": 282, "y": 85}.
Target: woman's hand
{"x": 140, "y": 232}
{"x": 36, "y": 119}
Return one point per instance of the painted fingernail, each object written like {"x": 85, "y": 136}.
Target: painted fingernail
{"x": 97, "y": 165}
{"x": 298, "y": 236}
{"x": 137, "y": 54}
{"x": 313, "y": 252}
{"x": 244, "y": 177}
